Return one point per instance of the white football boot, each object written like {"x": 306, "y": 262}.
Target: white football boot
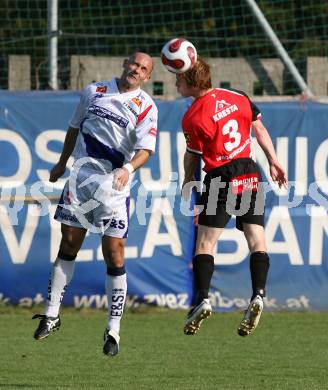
{"x": 196, "y": 316}
{"x": 251, "y": 317}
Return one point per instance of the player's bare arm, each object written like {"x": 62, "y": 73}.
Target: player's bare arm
{"x": 190, "y": 163}
{"x": 122, "y": 175}
{"x": 277, "y": 172}
{"x": 59, "y": 169}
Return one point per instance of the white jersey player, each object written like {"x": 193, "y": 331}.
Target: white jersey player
{"x": 112, "y": 133}
{"x": 113, "y": 126}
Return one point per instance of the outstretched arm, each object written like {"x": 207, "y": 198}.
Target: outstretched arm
{"x": 277, "y": 172}
{"x": 59, "y": 169}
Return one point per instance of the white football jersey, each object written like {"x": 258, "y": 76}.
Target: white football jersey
{"x": 113, "y": 125}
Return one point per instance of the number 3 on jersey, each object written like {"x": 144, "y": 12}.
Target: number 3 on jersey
{"x": 231, "y": 129}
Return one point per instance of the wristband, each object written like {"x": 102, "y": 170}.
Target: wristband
{"x": 128, "y": 167}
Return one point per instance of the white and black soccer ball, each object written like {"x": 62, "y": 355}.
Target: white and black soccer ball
{"x": 178, "y": 55}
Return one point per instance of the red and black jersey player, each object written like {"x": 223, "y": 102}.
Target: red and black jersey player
{"x": 217, "y": 128}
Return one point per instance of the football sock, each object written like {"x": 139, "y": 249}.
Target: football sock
{"x": 116, "y": 287}
{"x": 259, "y": 267}
{"x": 60, "y": 277}
{"x": 203, "y": 267}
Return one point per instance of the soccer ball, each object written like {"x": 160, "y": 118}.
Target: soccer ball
{"x": 178, "y": 55}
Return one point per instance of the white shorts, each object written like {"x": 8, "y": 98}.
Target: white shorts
{"x": 90, "y": 202}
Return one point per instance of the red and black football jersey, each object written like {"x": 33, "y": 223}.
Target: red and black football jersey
{"x": 217, "y": 126}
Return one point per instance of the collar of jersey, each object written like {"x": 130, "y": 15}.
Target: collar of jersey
{"x": 206, "y": 94}
{"x": 115, "y": 87}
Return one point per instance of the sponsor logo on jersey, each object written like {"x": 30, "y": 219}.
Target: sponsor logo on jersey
{"x": 223, "y": 158}
{"x": 125, "y": 104}
{"x": 102, "y": 89}
{"x": 233, "y": 154}
{"x": 248, "y": 182}
{"x": 225, "y": 111}
{"x": 104, "y": 113}
{"x": 153, "y": 131}
{"x": 137, "y": 101}
{"x": 221, "y": 104}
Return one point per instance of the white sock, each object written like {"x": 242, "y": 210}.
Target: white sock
{"x": 116, "y": 287}
{"x": 60, "y": 277}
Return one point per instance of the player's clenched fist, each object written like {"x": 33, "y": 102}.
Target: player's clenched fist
{"x": 121, "y": 178}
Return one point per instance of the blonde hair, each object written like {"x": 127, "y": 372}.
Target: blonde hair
{"x": 199, "y": 76}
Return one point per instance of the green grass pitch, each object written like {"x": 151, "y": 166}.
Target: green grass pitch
{"x": 287, "y": 351}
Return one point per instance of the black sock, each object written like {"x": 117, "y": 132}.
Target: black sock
{"x": 203, "y": 267}
{"x": 259, "y": 266}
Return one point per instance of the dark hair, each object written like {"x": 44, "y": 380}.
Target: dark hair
{"x": 199, "y": 76}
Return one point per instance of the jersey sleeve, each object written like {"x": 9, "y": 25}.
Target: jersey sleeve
{"x": 194, "y": 143}
{"x": 256, "y": 113}
{"x": 81, "y": 109}
{"x": 146, "y": 128}
{"x": 198, "y": 130}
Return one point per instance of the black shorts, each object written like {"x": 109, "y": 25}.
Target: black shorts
{"x": 233, "y": 189}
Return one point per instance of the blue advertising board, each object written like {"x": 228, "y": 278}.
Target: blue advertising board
{"x": 161, "y": 235}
